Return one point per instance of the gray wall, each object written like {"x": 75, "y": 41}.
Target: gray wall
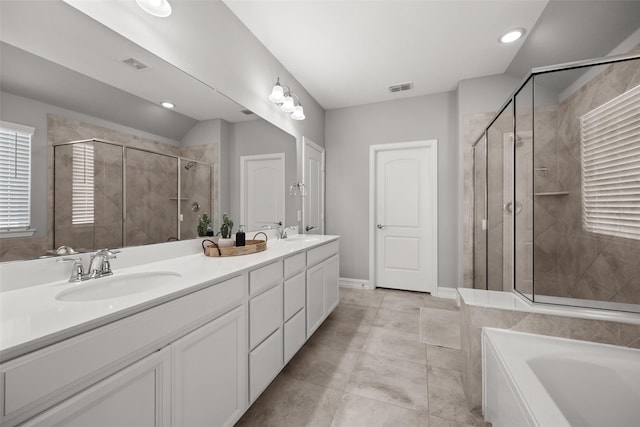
{"x": 349, "y": 133}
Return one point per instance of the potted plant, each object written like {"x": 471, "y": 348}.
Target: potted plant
{"x": 225, "y": 240}
{"x": 204, "y": 225}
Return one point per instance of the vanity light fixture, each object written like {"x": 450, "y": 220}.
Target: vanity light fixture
{"x": 168, "y": 105}
{"x": 159, "y": 8}
{"x": 511, "y": 35}
{"x": 283, "y": 97}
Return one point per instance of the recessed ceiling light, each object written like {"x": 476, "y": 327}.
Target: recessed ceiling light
{"x": 167, "y": 104}
{"x": 159, "y": 8}
{"x": 512, "y": 35}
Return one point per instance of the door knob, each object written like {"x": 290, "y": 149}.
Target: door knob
{"x": 309, "y": 227}
{"x": 380, "y": 226}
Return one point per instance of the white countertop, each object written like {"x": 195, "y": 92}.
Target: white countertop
{"x": 32, "y": 318}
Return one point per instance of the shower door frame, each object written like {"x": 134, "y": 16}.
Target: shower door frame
{"x": 124, "y": 148}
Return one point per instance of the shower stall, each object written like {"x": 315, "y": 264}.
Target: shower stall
{"x": 109, "y": 195}
{"x": 556, "y": 188}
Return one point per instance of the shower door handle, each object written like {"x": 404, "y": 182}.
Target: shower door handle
{"x": 508, "y": 207}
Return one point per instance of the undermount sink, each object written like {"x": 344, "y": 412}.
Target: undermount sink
{"x": 301, "y": 238}
{"x": 118, "y": 286}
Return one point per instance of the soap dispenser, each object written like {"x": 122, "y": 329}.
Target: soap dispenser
{"x": 240, "y": 237}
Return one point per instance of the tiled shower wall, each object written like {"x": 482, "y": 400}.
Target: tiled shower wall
{"x": 571, "y": 262}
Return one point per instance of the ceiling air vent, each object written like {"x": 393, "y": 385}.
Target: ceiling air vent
{"x": 134, "y": 63}
{"x": 247, "y": 112}
{"x": 401, "y": 87}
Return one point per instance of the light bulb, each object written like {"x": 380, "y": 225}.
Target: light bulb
{"x": 511, "y": 36}
{"x": 159, "y": 8}
{"x": 287, "y": 104}
{"x": 298, "y": 113}
{"x": 167, "y": 104}
{"x": 277, "y": 93}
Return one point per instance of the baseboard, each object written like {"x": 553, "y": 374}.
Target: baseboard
{"x": 451, "y": 293}
{"x": 345, "y": 282}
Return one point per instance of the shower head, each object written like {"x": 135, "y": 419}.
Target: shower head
{"x": 190, "y": 165}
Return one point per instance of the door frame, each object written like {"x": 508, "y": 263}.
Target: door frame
{"x": 306, "y": 142}
{"x": 373, "y": 151}
{"x": 243, "y": 166}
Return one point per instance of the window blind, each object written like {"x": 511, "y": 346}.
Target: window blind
{"x": 82, "y": 181}
{"x": 15, "y": 176}
{"x": 610, "y": 142}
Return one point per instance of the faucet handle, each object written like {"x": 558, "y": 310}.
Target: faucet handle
{"x": 105, "y": 267}
{"x": 78, "y": 271}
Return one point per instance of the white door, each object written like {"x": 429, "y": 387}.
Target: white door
{"x": 404, "y": 216}
{"x": 313, "y": 180}
{"x": 262, "y": 189}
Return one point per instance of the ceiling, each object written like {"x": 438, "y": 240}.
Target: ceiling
{"x": 349, "y": 52}
{"x": 76, "y": 63}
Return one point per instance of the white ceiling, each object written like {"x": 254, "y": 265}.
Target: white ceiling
{"x": 76, "y": 63}
{"x": 349, "y": 52}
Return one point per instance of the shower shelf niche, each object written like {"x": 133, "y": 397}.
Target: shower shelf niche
{"x": 553, "y": 193}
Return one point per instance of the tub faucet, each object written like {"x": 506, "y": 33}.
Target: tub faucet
{"x": 99, "y": 265}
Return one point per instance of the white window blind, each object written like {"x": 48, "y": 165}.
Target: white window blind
{"x": 82, "y": 181}
{"x": 611, "y": 167}
{"x": 15, "y": 176}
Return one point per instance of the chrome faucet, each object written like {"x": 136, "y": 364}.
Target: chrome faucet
{"x": 77, "y": 272}
{"x": 282, "y": 231}
{"x": 99, "y": 265}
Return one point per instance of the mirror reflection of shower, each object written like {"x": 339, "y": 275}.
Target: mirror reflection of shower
{"x": 104, "y": 193}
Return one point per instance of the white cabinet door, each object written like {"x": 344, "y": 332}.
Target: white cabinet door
{"x": 136, "y": 396}
{"x": 315, "y": 298}
{"x": 209, "y": 373}
{"x": 331, "y": 273}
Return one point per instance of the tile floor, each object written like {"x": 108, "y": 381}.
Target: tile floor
{"x": 383, "y": 358}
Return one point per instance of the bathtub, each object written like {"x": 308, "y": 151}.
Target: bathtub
{"x": 535, "y": 380}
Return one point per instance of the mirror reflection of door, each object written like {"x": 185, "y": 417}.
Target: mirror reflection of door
{"x": 313, "y": 179}
{"x": 262, "y": 190}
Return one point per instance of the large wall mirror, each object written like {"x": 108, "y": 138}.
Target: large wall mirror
{"x": 109, "y": 166}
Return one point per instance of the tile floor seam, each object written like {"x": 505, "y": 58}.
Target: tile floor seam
{"x": 383, "y": 402}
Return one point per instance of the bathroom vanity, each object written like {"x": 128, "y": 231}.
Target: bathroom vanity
{"x": 196, "y": 351}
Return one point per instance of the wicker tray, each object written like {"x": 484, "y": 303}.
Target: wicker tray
{"x": 251, "y": 247}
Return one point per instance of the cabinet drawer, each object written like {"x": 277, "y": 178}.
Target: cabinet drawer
{"x": 316, "y": 255}
{"x": 294, "y": 335}
{"x": 294, "y": 294}
{"x": 38, "y": 380}
{"x": 265, "y": 315}
{"x": 294, "y": 265}
{"x": 264, "y": 277}
{"x": 264, "y": 364}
